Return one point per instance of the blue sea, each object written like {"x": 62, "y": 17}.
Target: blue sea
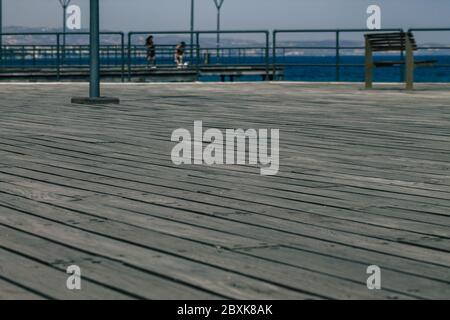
{"x": 296, "y": 68}
{"x": 351, "y": 69}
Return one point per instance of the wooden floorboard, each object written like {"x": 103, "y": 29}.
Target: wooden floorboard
{"x": 364, "y": 180}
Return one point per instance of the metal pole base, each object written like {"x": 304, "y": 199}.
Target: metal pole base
{"x": 95, "y": 101}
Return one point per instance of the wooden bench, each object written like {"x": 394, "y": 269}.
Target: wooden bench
{"x": 394, "y": 41}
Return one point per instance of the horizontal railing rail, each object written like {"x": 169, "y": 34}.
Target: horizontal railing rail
{"x": 336, "y": 49}
{"x": 433, "y": 47}
{"x": 53, "y": 54}
{"x": 265, "y": 49}
{"x": 127, "y": 52}
{"x": 201, "y": 55}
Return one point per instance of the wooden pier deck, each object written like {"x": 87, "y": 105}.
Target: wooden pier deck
{"x": 364, "y": 180}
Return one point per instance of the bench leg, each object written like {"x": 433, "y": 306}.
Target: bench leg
{"x": 369, "y": 66}
{"x": 369, "y": 77}
{"x": 409, "y": 76}
{"x": 409, "y": 65}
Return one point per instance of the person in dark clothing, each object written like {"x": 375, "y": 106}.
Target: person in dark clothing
{"x": 151, "y": 51}
{"x": 179, "y": 54}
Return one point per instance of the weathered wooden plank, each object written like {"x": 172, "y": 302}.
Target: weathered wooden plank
{"x": 396, "y": 281}
{"x": 365, "y": 226}
{"x": 283, "y": 224}
{"x": 219, "y": 256}
{"x": 126, "y": 210}
{"x": 136, "y": 283}
{"x": 363, "y": 180}
{"x": 50, "y": 282}
{"x": 200, "y": 276}
{"x": 11, "y": 291}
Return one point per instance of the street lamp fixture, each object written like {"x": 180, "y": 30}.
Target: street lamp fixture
{"x": 219, "y": 4}
{"x": 64, "y": 4}
{"x": 192, "y": 25}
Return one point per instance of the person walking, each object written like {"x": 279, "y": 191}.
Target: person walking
{"x": 151, "y": 52}
{"x": 179, "y": 54}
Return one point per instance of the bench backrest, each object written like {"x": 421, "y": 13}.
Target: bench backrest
{"x": 393, "y": 41}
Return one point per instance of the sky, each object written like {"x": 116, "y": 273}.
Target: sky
{"x": 158, "y": 15}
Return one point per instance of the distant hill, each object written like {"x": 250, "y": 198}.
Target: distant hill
{"x": 208, "y": 41}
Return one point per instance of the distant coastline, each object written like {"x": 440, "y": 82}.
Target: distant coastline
{"x": 210, "y": 41}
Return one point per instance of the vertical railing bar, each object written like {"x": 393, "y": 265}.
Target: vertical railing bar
{"x": 23, "y": 56}
{"x": 197, "y": 44}
{"x": 122, "y": 51}
{"x": 274, "y": 53}
{"x": 267, "y": 56}
{"x": 129, "y": 56}
{"x": 338, "y": 56}
{"x": 58, "y": 58}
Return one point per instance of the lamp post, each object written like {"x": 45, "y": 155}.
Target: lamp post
{"x": 94, "y": 42}
{"x": 1, "y": 30}
{"x": 64, "y": 4}
{"x": 94, "y": 81}
{"x": 218, "y": 4}
{"x": 192, "y": 25}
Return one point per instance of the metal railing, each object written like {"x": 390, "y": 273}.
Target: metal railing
{"x": 126, "y": 56}
{"x": 265, "y": 49}
{"x": 431, "y": 48}
{"x": 137, "y": 53}
{"x": 55, "y": 56}
{"x": 198, "y": 55}
{"x": 336, "y": 48}
{"x": 22, "y": 56}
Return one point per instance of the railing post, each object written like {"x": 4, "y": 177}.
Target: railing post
{"x": 122, "y": 51}
{"x": 129, "y": 56}
{"x": 23, "y": 56}
{"x": 197, "y": 45}
{"x": 402, "y": 70}
{"x": 58, "y": 57}
{"x": 274, "y": 53}
{"x": 267, "y": 56}
{"x": 338, "y": 58}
